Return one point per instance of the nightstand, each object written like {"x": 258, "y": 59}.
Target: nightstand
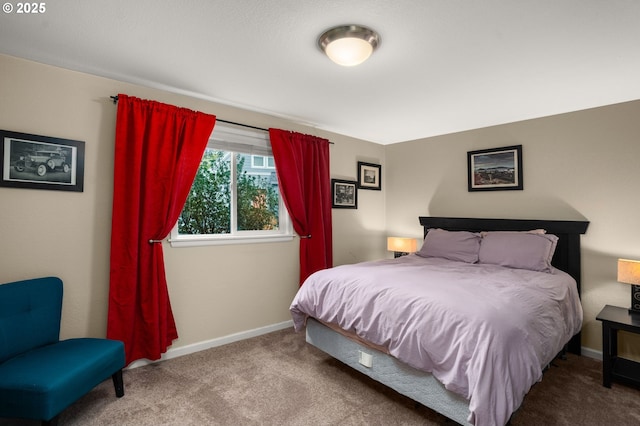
{"x": 614, "y": 367}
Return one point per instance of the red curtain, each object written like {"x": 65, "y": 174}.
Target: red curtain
{"x": 302, "y": 164}
{"x": 158, "y": 150}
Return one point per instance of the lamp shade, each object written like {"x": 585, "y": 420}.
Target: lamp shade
{"x": 629, "y": 271}
{"x": 404, "y": 245}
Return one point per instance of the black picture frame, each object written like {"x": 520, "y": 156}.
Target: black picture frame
{"x": 41, "y": 162}
{"x": 344, "y": 194}
{"x": 495, "y": 169}
{"x": 369, "y": 176}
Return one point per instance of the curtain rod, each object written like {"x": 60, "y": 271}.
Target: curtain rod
{"x": 115, "y": 100}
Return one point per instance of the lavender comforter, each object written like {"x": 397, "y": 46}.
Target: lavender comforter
{"x": 484, "y": 331}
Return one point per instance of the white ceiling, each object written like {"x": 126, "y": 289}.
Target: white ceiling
{"x": 443, "y": 65}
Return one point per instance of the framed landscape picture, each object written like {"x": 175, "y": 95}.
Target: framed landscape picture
{"x": 369, "y": 176}
{"x": 495, "y": 169}
{"x": 344, "y": 194}
{"x": 41, "y": 162}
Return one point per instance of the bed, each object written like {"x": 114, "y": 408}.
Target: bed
{"x": 471, "y": 347}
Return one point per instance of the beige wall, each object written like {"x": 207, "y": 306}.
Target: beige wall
{"x": 215, "y": 291}
{"x": 577, "y": 166}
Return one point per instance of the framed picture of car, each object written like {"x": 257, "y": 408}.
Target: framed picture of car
{"x": 41, "y": 162}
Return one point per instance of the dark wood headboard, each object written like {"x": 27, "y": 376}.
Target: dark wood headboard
{"x": 566, "y": 257}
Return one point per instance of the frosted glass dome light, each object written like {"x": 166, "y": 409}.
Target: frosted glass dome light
{"x": 349, "y": 45}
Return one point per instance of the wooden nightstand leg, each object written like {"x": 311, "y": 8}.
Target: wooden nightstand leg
{"x": 607, "y": 349}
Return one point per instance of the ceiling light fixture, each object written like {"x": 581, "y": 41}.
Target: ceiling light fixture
{"x": 349, "y": 45}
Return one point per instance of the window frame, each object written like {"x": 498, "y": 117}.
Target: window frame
{"x": 237, "y": 140}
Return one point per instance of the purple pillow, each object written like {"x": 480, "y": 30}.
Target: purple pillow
{"x": 519, "y": 250}
{"x": 461, "y": 246}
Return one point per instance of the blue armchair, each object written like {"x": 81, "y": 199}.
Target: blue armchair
{"x": 41, "y": 375}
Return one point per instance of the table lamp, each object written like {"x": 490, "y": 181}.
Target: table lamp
{"x": 629, "y": 273}
{"x": 403, "y": 246}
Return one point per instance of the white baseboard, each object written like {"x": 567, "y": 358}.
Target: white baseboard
{"x": 591, "y": 353}
{"x": 236, "y": 337}
{"x": 208, "y": 344}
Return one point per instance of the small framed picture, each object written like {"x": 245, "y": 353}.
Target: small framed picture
{"x": 495, "y": 169}
{"x": 41, "y": 162}
{"x": 344, "y": 194}
{"x": 369, "y": 176}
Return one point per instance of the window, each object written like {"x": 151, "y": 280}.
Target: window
{"x": 262, "y": 162}
{"x": 235, "y": 196}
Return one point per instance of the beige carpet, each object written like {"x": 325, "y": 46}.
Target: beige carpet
{"x": 278, "y": 379}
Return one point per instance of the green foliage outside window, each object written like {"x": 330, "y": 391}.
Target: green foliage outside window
{"x": 208, "y": 207}
{"x": 258, "y": 201}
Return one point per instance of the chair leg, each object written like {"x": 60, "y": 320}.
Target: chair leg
{"x": 52, "y": 422}
{"x": 118, "y": 383}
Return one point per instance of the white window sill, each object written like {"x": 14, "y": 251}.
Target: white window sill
{"x": 196, "y": 241}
